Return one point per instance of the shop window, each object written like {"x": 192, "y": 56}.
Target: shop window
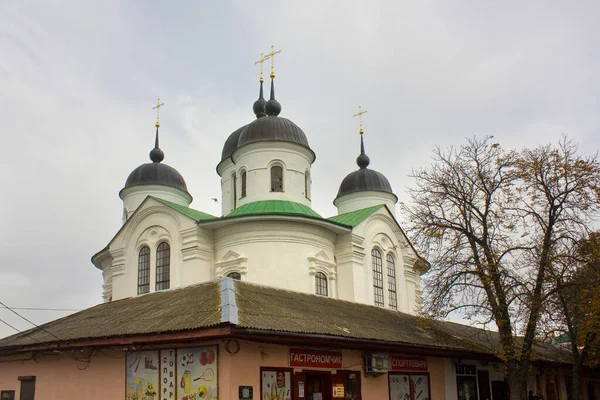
{"x": 243, "y": 184}
{"x": 7, "y": 395}
{"x": 276, "y": 178}
{"x": 391, "y": 275}
{"x": 406, "y": 385}
{"x": 351, "y": 382}
{"x": 275, "y": 383}
{"x": 163, "y": 266}
{"x": 377, "y": 277}
{"x": 235, "y": 275}
{"x": 143, "y": 285}
{"x": 321, "y": 284}
{"x": 27, "y": 387}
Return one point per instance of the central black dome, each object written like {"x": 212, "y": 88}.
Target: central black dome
{"x": 364, "y": 180}
{"x": 156, "y": 174}
{"x": 272, "y": 129}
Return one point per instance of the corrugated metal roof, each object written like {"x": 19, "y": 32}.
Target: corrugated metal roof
{"x": 353, "y": 218}
{"x": 265, "y": 308}
{"x": 193, "y": 307}
{"x": 267, "y": 207}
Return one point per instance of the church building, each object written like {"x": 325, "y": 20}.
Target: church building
{"x": 269, "y": 300}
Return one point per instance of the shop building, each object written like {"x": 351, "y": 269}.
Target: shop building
{"x": 228, "y": 339}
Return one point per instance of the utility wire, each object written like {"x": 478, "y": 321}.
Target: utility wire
{"x": 22, "y": 317}
{"x": 42, "y": 309}
{"x": 18, "y": 330}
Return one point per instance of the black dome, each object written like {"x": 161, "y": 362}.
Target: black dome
{"x": 231, "y": 143}
{"x": 272, "y": 129}
{"x": 264, "y": 130}
{"x": 364, "y": 180}
{"x": 156, "y": 174}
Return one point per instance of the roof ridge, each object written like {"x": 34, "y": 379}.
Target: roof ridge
{"x": 188, "y": 211}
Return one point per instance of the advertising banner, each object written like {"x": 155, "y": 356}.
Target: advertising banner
{"x": 197, "y": 373}
{"x": 142, "y": 375}
{"x": 406, "y": 363}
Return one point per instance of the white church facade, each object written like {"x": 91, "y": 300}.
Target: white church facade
{"x": 268, "y": 233}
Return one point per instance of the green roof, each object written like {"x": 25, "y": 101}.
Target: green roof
{"x": 190, "y": 212}
{"x": 273, "y": 207}
{"x": 353, "y": 218}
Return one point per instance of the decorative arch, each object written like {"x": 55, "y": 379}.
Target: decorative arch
{"x": 231, "y": 262}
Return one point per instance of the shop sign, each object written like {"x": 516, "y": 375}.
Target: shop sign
{"x": 405, "y": 363}
{"x": 338, "y": 391}
{"x": 315, "y": 358}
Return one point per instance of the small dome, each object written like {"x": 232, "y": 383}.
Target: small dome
{"x": 364, "y": 180}
{"x": 156, "y": 174}
{"x": 272, "y": 129}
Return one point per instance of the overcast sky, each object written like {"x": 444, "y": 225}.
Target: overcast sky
{"x": 78, "y": 80}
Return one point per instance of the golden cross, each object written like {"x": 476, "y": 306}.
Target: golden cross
{"x": 271, "y": 56}
{"x": 157, "y": 108}
{"x": 261, "y": 61}
{"x": 359, "y": 114}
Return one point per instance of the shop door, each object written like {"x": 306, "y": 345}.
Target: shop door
{"x": 466, "y": 387}
{"x": 318, "y": 386}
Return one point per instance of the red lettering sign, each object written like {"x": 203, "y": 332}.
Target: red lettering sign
{"x": 405, "y": 363}
{"x": 315, "y": 358}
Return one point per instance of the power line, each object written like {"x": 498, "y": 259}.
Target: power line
{"x": 18, "y": 330}
{"x": 42, "y": 309}
{"x": 32, "y": 323}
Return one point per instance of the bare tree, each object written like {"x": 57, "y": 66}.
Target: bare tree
{"x": 491, "y": 222}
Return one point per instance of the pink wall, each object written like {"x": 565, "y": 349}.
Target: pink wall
{"x": 243, "y": 368}
{"x": 58, "y": 377}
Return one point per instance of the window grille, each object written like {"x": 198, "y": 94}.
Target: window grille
{"x": 276, "y": 178}
{"x": 163, "y": 266}
{"x": 377, "y": 277}
{"x": 391, "y": 272}
{"x": 143, "y": 271}
{"x": 244, "y": 184}
{"x": 321, "y": 284}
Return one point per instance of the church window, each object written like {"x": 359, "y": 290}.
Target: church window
{"x": 143, "y": 271}
{"x": 235, "y": 275}
{"x": 307, "y": 184}
{"x": 243, "y": 183}
{"x": 391, "y": 272}
{"x": 321, "y": 284}
{"x": 276, "y": 178}
{"x": 234, "y": 182}
{"x": 377, "y": 277}
{"x": 163, "y": 266}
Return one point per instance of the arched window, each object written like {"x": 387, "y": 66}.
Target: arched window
{"x": 163, "y": 266}
{"x": 321, "y": 284}
{"x": 243, "y": 183}
{"x": 307, "y": 184}
{"x": 143, "y": 271}
{"x": 234, "y": 189}
{"x": 391, "y": 272}
{"x": 377, "y": 277}
{"x": 235, "y": 275}
{"x": 276, "y": 178}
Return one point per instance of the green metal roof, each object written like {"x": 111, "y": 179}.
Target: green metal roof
{"x": 273, "y": 207}
{"x": 190, "y": 212}
{"x": 353, "y": 218}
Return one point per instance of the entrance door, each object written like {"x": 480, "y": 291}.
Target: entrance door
{"x": 318, "y": 386}
{"x": 467, "y": 387}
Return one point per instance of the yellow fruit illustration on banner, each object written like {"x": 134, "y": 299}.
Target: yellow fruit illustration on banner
{"x": 202, "y": 392}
